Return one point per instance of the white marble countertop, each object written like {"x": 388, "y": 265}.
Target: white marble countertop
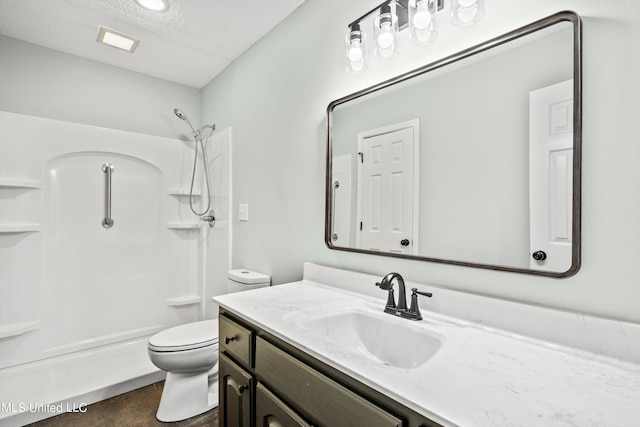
{"x": 481, "y": 376}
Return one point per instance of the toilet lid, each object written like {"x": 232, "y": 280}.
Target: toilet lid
{"x": 186, "y": 337}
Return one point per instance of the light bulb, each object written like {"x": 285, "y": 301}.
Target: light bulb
{"x": 385, "y": 37}
{"x": 355, "y": 53}
{"x": 422, "y": 17}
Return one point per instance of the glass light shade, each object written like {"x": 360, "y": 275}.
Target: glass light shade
{"x": 385, "y": 28}
{"x": 422, "y": 27}
{"x": 355, "y": 51}
{"x": 466, "y": 12}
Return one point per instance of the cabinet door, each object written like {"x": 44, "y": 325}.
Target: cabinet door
{"x": 273, "y": 412}
{"x": 316, "y": 396}
{"x": 236, "y": 394}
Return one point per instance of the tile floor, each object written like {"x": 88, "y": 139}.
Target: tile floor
{"x": 134, "y": 409}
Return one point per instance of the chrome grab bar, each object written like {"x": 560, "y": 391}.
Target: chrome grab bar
{"x": 336, "y": 185}
{"x": 107, "y": 222}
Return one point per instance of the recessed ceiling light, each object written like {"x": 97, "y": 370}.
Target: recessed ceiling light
{"x": 155, "y": 5}
{"x": 117, "y": 39}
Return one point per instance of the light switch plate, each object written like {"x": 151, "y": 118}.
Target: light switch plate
{"x": 243, "y": 212}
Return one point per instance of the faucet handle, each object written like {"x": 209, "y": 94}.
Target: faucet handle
{"x": 414, "y": 309}
{"x": 416, "y": 291}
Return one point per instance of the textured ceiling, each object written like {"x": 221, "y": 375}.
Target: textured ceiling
{"x": 190, "y": 43}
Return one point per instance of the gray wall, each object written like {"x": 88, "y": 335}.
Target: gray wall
{"x": 275, "y": 97}
{"x": 46, "y": 83}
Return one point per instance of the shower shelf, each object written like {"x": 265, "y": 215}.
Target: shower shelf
{"x": 19, "y": 228}
{"x": 183, "y": 193}
{"x": 183, "y": 225}
{"x": 185, "y": 300}
{"x": 16, "y": 329}
{"x": 16, "y": 184}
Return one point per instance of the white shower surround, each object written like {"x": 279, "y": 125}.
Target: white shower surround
{"x": 77, "y": 294}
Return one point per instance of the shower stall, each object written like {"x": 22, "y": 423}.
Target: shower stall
{"x": 99, "y": 249}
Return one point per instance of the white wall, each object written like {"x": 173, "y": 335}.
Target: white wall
{"x": 275, "y": 97}
{"x": 46, "y": 83}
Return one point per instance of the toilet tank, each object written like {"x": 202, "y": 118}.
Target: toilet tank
{"x": 243, "y": 280}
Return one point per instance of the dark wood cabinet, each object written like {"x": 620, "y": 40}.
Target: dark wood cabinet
{"x": 266, "y": 382}
{"x": 273, "y": 412}
{"x": 313, "y": 393}
{"x": 236, "y": 394}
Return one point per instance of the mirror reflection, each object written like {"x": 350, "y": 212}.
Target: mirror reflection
{"x": 473, "y": 160}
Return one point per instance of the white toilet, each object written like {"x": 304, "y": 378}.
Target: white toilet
{"x": 189, "y": 355}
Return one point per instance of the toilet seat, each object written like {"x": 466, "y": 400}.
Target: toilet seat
{"x": 189, "y": 336}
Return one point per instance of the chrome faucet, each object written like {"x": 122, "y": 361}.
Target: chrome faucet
{"x": 413, "y": 312}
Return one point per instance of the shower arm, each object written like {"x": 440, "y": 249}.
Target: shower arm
{"x": 212, "y": 127}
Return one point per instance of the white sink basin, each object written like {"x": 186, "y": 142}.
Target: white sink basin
{"x": 375, "y": 335}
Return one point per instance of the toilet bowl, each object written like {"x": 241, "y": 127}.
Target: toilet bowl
{"x": 189, "y": 355}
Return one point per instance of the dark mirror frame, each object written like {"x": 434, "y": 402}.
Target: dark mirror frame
{"x": 565, "y": 16}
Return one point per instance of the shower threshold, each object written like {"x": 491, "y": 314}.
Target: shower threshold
{"x": 45, "y": 388}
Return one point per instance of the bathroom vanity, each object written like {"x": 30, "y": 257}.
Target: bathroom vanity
{"x": 323, "y": 352}
{"x": 266, "y": 380}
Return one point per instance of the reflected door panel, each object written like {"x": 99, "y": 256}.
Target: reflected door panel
{"x": 385, "y": 184}
{"x": 551, "y": 173}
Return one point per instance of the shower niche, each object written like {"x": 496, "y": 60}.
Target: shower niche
{"x": 20, "y": 206}
{"x": 178, "y": 203}
{"x": 20, "y": 240}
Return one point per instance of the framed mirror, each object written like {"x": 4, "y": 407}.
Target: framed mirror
{"x": 472, "y": 160}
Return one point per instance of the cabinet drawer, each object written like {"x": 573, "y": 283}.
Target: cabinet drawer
{"x": 273, "y": 412}
{"x": 236, "y": 340}
{"x": 312, "y": 392}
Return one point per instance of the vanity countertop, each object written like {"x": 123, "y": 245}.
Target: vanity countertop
{"x": 481, "y": 376}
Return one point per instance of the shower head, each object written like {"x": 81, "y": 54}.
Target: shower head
{"x": 180, "y": 114}
{"x": 196, "y": 133}
{"x": 183, "y": 116}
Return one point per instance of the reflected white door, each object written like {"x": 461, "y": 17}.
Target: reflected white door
{"x": 551, "y": 176}
{"x": 387, "y": 189}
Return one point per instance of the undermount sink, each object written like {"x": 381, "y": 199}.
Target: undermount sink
{"x": 378, "y": 336}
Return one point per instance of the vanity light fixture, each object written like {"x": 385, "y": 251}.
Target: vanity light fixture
{"x": 117, "y": 39}
{"x": 394, "y": 16}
